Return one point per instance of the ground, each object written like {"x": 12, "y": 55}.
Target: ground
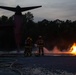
{"x": 39, "y": 65}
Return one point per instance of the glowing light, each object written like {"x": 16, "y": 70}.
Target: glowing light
{"x": 73, "y": 49}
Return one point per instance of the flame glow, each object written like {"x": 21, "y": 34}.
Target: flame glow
{"x": 57, "y": 52}
{"x": 73, "y": 49}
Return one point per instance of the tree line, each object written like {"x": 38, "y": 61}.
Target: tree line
{"x": 55, "y": 32}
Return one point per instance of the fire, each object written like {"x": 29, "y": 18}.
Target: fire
{"x": 73, "y": 49}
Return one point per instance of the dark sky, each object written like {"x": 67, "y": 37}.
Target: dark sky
{"x": 51, "y": 9}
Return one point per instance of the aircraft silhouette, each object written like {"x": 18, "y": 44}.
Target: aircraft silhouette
{"x": 19, "y": 9}
{"x": 18, "y": 21}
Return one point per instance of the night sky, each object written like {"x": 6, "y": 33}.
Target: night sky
{"x": 51, "y": 9}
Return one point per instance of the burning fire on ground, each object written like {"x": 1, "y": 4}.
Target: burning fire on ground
{"x": 73, "y": 49}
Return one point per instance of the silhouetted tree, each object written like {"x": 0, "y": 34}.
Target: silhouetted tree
{"x": 55, "y": 32}
{"x": 4, "y": 19}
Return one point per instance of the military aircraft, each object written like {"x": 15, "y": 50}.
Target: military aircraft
{"x": 19, "y": 9}
{"x": 18, "y": 21}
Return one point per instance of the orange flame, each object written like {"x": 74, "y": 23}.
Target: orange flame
{"x": 73, "y": 49}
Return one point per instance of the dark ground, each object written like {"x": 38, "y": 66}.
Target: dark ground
{"x": 67, "y": 63}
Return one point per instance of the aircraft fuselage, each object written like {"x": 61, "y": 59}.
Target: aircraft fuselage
{"x": 18, "y": 10}
{"x": 18, "y": 21}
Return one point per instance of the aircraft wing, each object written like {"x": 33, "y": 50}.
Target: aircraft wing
{"x": 29, "y": 8}
{"x": 8, "y": 8}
